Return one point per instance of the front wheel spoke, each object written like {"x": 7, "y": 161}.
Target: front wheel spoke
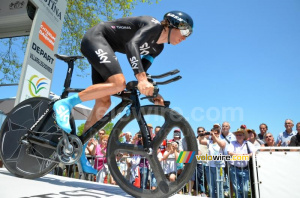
{"x": 157, "y": 170}
{"x": 162, "y": 134}
{"x": 122, "y": 147}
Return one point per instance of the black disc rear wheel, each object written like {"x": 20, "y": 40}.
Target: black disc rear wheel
{"x": 25, "y": 160}
{"x": 168, "y": 119}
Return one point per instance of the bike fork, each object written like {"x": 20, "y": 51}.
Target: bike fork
{"x": 147, "y": 142}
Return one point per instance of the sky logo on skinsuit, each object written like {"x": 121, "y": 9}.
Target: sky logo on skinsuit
{"x": 185, "y": 157}
{"x": 102, "y": 56}
{"x": 36, "y": 84}
{"x": 144, "y": 49}
{"x": 134, "y": 62}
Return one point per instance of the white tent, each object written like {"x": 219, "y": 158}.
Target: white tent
{"x": 80, "y": 112}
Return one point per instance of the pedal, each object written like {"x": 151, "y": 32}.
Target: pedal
{"x": 69, "y": 150}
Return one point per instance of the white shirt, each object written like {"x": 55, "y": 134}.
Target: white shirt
{"x": 235, "y": 147}
{"x": 230, "y": 137}
{"x": 215, "y": 149}
{"x": 184, "y": 147}
{"x": 170, "y": 164}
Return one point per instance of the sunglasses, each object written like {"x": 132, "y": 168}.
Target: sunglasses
{"x": 185, "y": 33}
{"x": 268, "y": 136}
{"x": 200, "y": 131}
{"x": 239, "y": 135}
{"x": 101, "y": 133}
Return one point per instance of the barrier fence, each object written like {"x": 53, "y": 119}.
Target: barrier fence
{"x": 253, "y": 180}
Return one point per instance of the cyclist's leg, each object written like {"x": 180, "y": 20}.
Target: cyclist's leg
{"x": 102, "y": 104}
{"x": 99, "y": 109}
{"x": 105, "y": 69}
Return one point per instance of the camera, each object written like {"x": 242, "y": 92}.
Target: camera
{"x": 204, "y": 134}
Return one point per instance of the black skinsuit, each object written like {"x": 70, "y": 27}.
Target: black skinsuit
{"x": 133, "y": 36}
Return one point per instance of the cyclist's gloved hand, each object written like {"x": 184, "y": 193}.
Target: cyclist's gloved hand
{"x": 63, "y": 109}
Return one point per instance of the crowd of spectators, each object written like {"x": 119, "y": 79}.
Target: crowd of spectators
{"x": 243, "y": 142}
{"x": 211, "y": 178}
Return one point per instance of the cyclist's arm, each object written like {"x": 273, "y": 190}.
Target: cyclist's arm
{"x": 145, "y": 34}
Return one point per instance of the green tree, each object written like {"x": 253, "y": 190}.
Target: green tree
{"x": 80, "y": 129}
{"x": 108, "y": 127}
{"x": 80, "y": 16}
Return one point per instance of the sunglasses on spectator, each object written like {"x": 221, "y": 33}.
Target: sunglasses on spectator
{"x": 200, "y": 131}
{"x": 239, "y": 135}
{"x": 101, "y": 133}
{"x": 268, "y": 136}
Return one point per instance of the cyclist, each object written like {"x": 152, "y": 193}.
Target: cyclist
{"x": 133, "y": 36}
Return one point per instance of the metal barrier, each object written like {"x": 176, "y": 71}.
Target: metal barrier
{"x": 216, "y": 181}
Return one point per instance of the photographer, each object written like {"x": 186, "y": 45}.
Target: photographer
{"x": 170, "y": 156}
{"x": 215, "y": 169}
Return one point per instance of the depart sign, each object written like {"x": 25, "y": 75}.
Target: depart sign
{"x": 44, "y": 36}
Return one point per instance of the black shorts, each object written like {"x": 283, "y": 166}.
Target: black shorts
{"x": 100, "y": 55}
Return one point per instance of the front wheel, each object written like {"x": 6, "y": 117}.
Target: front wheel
{"x": 156, "y": 179}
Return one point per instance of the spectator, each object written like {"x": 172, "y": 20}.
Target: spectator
{"x": 228, "y": 137}
{"x": 143, "y": 165}
{"x": 156, "y": 130}
{"x": 177, "y": 138}
{"x": 92, "y": 143}
{"x": 263, "y": 128}
{"x": 270, "y": 142}
{"x": 101, "y": 132}
{"x": 284, "y": 138}
{"x": 295, "y": 140}
{"x": 214, "y": 171}
{"x": 121, "y": 162}
{"x": 135, "y": 138}
{"x": 150, "y": 128}
{"x": 160, "y": 153}
{"x": 153, "y": 180}
{"x": 100, "y": 152}
{"x": 269, "y": 139}
{"x": 204, "y": 151}
{"x": 257, "y": 144}
{"x": 239, "y": 171}
{"x": 217, "y": 125}
{"x": 128, "y": 137}
{"x": 170, "y": 156}
{"x": 225, "y": 134}
{"x": 252, "y": 138}
{"x": 198, "y": 176}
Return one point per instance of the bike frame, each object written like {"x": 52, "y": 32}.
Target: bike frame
{"x": 129, "y": 98}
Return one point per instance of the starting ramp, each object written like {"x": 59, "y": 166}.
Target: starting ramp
{"x": 52, "y": 186}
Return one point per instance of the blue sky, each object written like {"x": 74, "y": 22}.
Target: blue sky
{"x": 241, "y": 64}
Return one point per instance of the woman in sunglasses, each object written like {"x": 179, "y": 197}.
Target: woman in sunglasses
{"x": 269, "y": 141}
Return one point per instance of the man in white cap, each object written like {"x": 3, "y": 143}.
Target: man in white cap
{"x": 177, "y": 138}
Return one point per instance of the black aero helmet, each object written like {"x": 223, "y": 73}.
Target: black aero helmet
{"x": 181, "y": 21}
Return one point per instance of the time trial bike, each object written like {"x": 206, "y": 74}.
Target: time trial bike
{"x": 32, "y": 144}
